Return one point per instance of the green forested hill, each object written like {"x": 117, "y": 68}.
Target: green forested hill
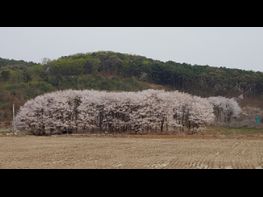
{"x": 20, "y": 81}
{"x": 13, "y": 63}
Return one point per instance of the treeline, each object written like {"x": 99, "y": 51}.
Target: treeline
{"x": 20, "y": 81}
{"x": 194, "y": 79}
{"x": 145, "y": 111}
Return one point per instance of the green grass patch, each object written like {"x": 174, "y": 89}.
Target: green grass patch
{"x": 234, "y": 131}
{"x": 4, "y": 130}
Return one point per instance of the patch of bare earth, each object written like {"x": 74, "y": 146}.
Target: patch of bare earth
{"x": 129, "y": 152}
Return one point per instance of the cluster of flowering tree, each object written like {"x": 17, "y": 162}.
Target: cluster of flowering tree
{"x": 73, "y": 111}
{"x": 225, "y": 109}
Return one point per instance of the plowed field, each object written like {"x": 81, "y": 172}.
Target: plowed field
{"x": 129, "y": 152}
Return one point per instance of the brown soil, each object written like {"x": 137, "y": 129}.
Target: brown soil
{"x": 129, "y": 152}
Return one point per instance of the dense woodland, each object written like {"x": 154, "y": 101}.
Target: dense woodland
{"x": 21, "y": 81}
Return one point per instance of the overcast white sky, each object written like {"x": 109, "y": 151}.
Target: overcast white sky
{"x": 230, "y": 47}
